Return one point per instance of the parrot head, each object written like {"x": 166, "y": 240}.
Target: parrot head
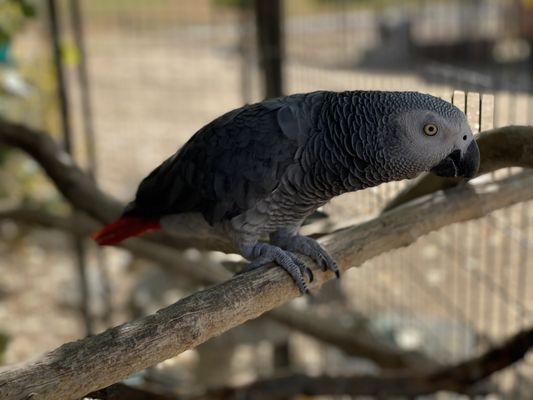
{"x": 434, "y": 136}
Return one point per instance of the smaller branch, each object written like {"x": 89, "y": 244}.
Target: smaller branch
{"x": 511, "y": 146}
{"x": 82, "y": 226}
{"x": 460, "y": 378}
{"x": 73, "y": 183}
{"x": 76, "y": 224}
{"x": 357, "y": 342}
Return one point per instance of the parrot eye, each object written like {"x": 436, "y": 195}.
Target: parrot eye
{"x": 430, "y": 129}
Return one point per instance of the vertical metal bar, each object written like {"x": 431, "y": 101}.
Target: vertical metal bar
{"x": 85, "y": 294}
{"x": 460, "y": 100}
{"x": 85, "y": 93}
{"x": 269, "y": 21}
{"x": 472, "y": 246}
{"x": 90, "y": 138}
{"x": 60, "y": 76}
{"x": 523, "y": 259}
{"x": 488, "y": 302}
{"x": 245, "y": 30}
{"x": 505, "y": 245}
{"x": 67, "y": 140}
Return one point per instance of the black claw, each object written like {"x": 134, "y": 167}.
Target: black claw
{"x": 303, "y": 267}
{"x": 303, "y": 288}
{"x": 310, "y": 274}
{"x": 338, "y": 274}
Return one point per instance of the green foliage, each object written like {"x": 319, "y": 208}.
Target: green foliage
{"x": 27, "y": 9}
{"x": 12, "y": 16}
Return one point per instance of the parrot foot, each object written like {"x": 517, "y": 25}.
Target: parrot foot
{"x": 264, "y": 253}
{"x": 312, "y": 249}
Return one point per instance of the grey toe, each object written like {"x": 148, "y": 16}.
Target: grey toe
{"x": 311, "y": 248}
{"x": 264, "y": 253}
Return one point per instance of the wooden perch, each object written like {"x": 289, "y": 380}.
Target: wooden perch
{"x": 458, "y": 378}
{"x": 81, "y": 367}
{"x": 511, "y": 146}
{"x": 360, "y": 343}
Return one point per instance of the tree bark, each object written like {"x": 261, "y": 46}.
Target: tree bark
{"x": 78, "y": 368}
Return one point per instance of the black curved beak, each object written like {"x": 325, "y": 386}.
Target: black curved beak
{"x": 459, "y": 165}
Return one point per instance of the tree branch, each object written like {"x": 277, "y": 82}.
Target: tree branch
{"x": 83, "y": 226}
{"x": 75, "y": 224}
{"x": 72, "y": 182}
{"x": 358, "y": 342}
{"x": 77, "y": 368}
{"x": 511, "y": 146}
{"x": 459, "y": 378}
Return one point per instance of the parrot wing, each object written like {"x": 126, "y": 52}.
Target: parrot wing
{"x": 231, "y": 163}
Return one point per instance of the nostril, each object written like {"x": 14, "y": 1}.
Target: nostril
{"x": 464, "y": 137}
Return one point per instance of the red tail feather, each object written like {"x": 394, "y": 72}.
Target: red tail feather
{"x": 123, "y": 228}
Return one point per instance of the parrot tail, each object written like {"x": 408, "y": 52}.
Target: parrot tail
{"x": 124, "y": 228}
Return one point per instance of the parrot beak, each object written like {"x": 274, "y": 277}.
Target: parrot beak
{"x": 457, "y": 164}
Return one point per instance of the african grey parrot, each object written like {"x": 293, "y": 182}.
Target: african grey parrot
{"x": 263, "y": 168}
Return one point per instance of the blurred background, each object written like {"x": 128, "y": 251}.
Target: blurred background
{"x": 123, "y": 84}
